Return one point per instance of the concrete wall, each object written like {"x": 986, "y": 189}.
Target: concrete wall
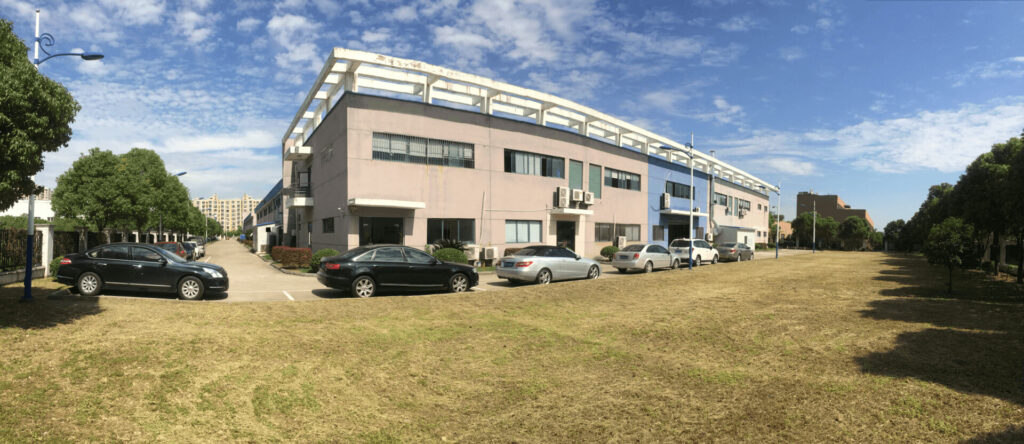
{"x": 756, "y": 219}
{"x": 661, "y": 171}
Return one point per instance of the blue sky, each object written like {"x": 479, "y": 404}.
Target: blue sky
{"x": 871, "y": 100}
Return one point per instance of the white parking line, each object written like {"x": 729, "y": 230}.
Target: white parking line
{"x": 290, "y": 298}
{"x": 474, "y": 288}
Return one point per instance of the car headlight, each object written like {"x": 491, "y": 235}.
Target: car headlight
{"x": 213, "y": 273}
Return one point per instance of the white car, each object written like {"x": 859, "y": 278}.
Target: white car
{"x": 702, "y": 250}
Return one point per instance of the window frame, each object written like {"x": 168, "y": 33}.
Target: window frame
{"x": 529, "y": 232}
{"x": 624, "y": 180}
{"x": 673, "y": 189}
{"x": 546, "y": 165}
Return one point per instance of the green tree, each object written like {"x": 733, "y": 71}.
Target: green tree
{"x": 145, "y": 170}
{"x": 1014, "y": 201}
{"x": 93, "y": 188}
{"x": 893, "y": 231}
{"x": 773, "y": 220}
{"x": 854, "y": 231}
{"x": 937, "y": 206}
{"x": 877, "y": 239}
{"x": 35, "y": 117}
{"x": 981, "y": 193}
{"x": 802, "y": 226}
{"x": 828, "y": 229}
{"x": 948, "y": 244}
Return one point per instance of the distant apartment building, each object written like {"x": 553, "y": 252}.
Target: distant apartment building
{"x": 828, "y": 205}
{"x": 228, "y": 212}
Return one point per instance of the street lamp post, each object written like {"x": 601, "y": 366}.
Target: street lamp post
{"x": 778, "y": 221}
{"x": 689, "y": 154}
{"x": 47, "y": 40}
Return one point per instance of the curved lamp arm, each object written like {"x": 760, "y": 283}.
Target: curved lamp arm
{"x": 46, "y": 39}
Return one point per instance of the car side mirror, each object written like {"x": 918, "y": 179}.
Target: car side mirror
{"x": 578, "y": 257}
{"x": 162, "y": 261}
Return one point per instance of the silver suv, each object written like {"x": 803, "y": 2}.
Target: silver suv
{"x": 702, "y": 250}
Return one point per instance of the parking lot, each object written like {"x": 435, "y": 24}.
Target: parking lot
{"x": 254, "y": 280}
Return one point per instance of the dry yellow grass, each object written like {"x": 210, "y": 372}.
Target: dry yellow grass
{"x": 835, "y": 347}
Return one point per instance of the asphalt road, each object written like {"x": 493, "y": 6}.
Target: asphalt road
{"x": 253, "y": 280}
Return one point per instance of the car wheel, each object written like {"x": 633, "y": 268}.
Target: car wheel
{"x": 190, "y": 288}
{"x": 648, "y": 267}
{"x": 364, "y": 286}
{"x": 621, "y": 270}
{"x": 89, "y": 284}
{"x": 458, "y": 283}
{"x": 714, "y": 260}
{"x": 696, "y": 261}
{"x": 675, "y": 264}
{"x": 544, "y": 277}
{"x": 594, "y": 272}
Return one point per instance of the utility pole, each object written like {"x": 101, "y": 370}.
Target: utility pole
{"x": 814, "y": 226}
{"x": 778, "y": 228}
{"x": 692, "y": 230}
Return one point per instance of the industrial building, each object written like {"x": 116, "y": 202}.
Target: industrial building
{"x": 828, "y": 205}
{"x": 389, "y": 150}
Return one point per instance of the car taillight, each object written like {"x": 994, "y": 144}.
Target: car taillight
{"x": 636, "y": 255}
{"x": 524, "y": 264}
{"x": 733, "y": 250}
{"x": 65, "y": 261}
{"x": 330, "y": 266}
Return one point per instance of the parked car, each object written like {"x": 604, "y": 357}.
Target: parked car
{"x": 543, "y": 264}
{"x": 363, "y": 270}
{"x": 644, "y": 257}
{"x": 702, "y": 251}
{"x": 735, "y": 251}
{"x": 174, "y": 247}
{"x": 130, "y": 266}
{"x": 198, "y": 247}
{"x": 190, "y": 251}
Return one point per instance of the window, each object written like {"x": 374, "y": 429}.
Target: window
{"x": 522, "y": 231}
{"x": 595, "y": 180}
{"x": 758, "y": 206}
{"x": 677, "y": 190}
{"x": 742, "y": 204}
{"x": 418, "y": 257}
{"x": 456, "y": 229}
{"x": 656, "y": 249}
{"x": 603, "y": 232}
{"x": 575, "y": 175}
{"x": 632, "y": 232}
{"x": 115, "y": 252}
{"x": 145, "y": 254}
{"x": 328, "y": 225}
{"x": 621, "y": 179}
{"x": 520, "y": 162}
{"x": 721, "y": 199}
{"x": 561, "y": 252}
{"x": 659, "y": 233}
{"x": 388, "y": 254}
{"x": 419, "y": 150}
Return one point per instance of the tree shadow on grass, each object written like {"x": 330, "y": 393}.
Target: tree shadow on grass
{"x": 918, "y": 278}
{"x": 42, "y": 312}
{"x": 1010, "y": 435}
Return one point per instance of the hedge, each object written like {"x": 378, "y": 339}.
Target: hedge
{"x": 314, "y": 264}
{"x": 451, "y": 255}
{"x": 609, "y": 251}
{"x": 54, "y": 264}
{"x": 290, "y": 257}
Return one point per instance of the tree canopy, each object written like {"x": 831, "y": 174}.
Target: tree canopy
{"x": 93, "y": 188}
{"x": 854, "y": 231}
{"x": 35, "y": 117}
{"x": 948, "y": 244}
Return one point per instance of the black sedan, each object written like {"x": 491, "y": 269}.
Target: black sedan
{"x": 365, "y": 269}
{"x": 128, "y": 266}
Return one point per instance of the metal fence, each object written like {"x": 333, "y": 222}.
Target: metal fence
{"x": 66, "y": 242}
{"x": 12, "y": 249}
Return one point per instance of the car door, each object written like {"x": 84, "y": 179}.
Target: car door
{"x": 575, "y": 268}
{"x": 661, "y": 256}
{"x": 390, "y": 268}
{"x": 423, "y": 269}
{"x": 113, "y": 264}
{"x": 555, "y": 260}
{"x": 151, "y": 270}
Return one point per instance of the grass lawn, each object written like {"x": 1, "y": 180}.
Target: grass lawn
{"x": 831, "y": 347}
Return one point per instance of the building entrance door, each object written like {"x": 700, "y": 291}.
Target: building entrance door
{"x": 565, "y": 234}
{"x": 380, "y": 230}
{"x": 678, "y": 231}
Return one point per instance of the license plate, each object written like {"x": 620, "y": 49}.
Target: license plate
{"x": 508, "y": 264}
{"x": 623, "y": 256}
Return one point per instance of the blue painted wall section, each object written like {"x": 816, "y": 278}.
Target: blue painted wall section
{"x": 660, "y": 171}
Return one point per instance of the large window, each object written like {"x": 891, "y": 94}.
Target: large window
{"x": 603, "y": 232}
{"x": 621, "y": 179}
{"x": 419, "y": 150}
{"x": 455, "y": 229}
{"x": 595, "y": 180}
{"x": 742, "y": 204}
{"x": 632, "y": 232}
{"x": 328, "y": 225}
{"x": 677, "y": 190}
{"x": 522, "y": 231}
{"x": 575, "y": 175}
{"x": 721, "y": 199}
{"x": 658, "y": 233}
{"x": 521, "y": 162}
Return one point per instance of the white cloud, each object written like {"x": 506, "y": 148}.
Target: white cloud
{"x": 824, "y": 24}
{"x": 800, "y": 29}
{"x": 195, "y": 26}
{"x": 721, "y": 56}
{"x": 574, "y": 85}
{"x": 376, "y": 35}
{"x": 738, "y": 24}
{"x": 248, "y": 24}
{"x": 406, "y": 13}
{"x": 466, "y": 43}
{"x": 1008, "y": 68}
{"x": 787, "y": 165}
{"x": 136, "y": 12}
{"x": 295, "y": 33}
{"x": 791, "y": 53}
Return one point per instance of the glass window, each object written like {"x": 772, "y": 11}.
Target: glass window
{"x": 621, "y": 179}
{"x": 521, "y": 162}
{"x": 145, "y": 254}
{"x": 656, "y": 249}
{"x": 603, "y": 232}
{"x": 418, "y": 257}
{"x": 721, "y": 199}
{"x": 115, "y": 252}
{"x": 410, "y": 149}
{"x": 389, "y": 254}
{"x": 575, "y": 175}
{"x": 658, "y": 233}
{"x": 328, "y": 225}
{"x": 595, "y": 180}
{"x": 632, "y": 232}
{"x": 677, "y": 190}
{"x": 522, "y": 231}
{"x": 455, "y": 229}
{"x": 532, "y": 251}
{"x": 634, "y": 247}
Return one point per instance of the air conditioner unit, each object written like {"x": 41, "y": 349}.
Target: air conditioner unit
{"x": 666, "y": 201}
{"x": 743, "y": 213}
{"x": 563, "y": 197}
{"x": 473, "y": 252}
{"x": 577, "y": 195}
{"x": 490, "y": 252}
{"x": 620, "y": 241}
{"x": 588, "y": 198}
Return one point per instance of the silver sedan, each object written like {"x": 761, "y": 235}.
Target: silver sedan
{"x": 543, "y": 264}
{"x": 644, "y": 257}
{"x": 734, "y": 251}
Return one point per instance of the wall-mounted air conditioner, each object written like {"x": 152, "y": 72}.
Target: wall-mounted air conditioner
{"x": 563, "y": 197}
{"x": 490, "y": 252}
{"x": 620, "y": 241}
{"x": 588, "y": 198}
{"x": 577, "y": 195}
{"x": 666, "y": 201}
{"x": 743, "y": 213}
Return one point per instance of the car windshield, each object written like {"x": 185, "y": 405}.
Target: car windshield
{"x": 729, "y": 245}
{"x": 354, "y": 252}
{"x": 171, "y": 257}
{"x": 637, "y": 247}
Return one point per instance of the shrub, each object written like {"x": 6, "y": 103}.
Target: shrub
{"x": 609, "y": 251}
{"x": 54, "y": 264}
{"x": 314, "y": 264}
{"x": 988, "y": 266}
{"x": 451, "y": 255}
{"x": 277, "y": 253}
{"x": 511, "y": 251}
{"x": 449, "y": 243}
{"x": 294, "y": 257}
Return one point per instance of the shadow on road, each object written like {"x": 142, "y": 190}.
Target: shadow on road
{"x": 42, "y": 312}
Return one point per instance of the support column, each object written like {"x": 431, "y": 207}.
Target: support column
{"x": 46, "y": 244}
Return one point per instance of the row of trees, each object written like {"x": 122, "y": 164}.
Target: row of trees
{"x": 965, "y": 219}
{"x": 853, "y": 233}
{"x": 126, "y": 192}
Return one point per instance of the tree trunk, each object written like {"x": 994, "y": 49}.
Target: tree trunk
{"x": 1020, "y": 258}
{"x": 949, "y": 287}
